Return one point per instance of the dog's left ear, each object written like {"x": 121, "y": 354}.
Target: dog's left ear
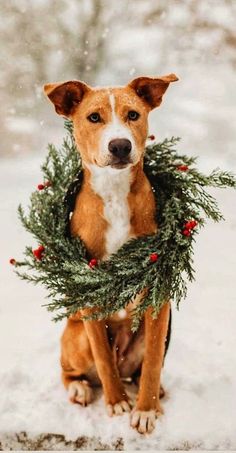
{"x": 151, "y": 89}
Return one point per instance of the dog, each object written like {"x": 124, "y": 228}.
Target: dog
{"x": 115, "y": 204}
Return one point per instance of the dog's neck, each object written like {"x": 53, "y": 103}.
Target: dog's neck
{"x": 113, "y": 207}
{"x": 113, "y": 187}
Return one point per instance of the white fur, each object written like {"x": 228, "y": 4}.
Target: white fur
{"x": 115, "y": 129}
{"x": 143, "y": 421}
{"x": 113, "y": 187}
{"x": 80, "y": 392}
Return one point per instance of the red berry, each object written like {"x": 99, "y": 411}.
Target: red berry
{"x": 93, "y": 262}
{"x": 151, "y": 137}
{"x": 186, "y": 232}
{"x": 154, "y": 257}
{"x": 41, "y": 186}
{"x": 38, "y": 253}
{"x": 182, "y": 167}
{"x": 190, "y": 224}
{"x": 193, "y": 223}
{"x": 12, "y": 261}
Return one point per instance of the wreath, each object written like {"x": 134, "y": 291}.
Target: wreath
{"x": 161, "y": 262}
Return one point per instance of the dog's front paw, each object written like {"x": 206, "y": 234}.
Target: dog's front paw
{"x": 144, "y": 421}
{"x": 119, "y": 408}
{"x": 80, "y": 392}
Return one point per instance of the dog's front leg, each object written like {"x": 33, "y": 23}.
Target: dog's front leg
{"x": 115, "y": 396}
{"x": 148, "y": 404}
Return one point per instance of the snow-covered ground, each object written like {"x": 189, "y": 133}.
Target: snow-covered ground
{"x": 199, "y": 374}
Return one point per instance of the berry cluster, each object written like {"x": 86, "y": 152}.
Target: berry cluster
{"x": 188, "y": 227}
{"x": 38, "y": 253}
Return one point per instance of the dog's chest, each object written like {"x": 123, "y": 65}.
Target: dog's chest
{"x": 113, "y": 187}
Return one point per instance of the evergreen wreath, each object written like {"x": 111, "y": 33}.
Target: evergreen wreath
{"x": 161, "y": 262}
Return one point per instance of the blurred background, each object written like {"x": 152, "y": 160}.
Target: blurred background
{"x": 108, "y": 42}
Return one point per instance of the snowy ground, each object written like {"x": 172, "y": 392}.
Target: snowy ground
{"x": 199, "y": 375}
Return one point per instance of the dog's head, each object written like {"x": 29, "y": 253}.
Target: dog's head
{"x": 110, "y": 124}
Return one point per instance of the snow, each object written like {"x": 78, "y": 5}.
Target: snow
{"x": 199, "y": 373}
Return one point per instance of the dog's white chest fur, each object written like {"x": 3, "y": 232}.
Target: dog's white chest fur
{"x": 113, "y": 187}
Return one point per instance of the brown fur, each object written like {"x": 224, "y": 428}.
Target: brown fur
{"x": 87, "y": 220}
{"x": 102, "y": 351}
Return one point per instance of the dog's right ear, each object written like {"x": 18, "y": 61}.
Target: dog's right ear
{"x": 66, "y": 96}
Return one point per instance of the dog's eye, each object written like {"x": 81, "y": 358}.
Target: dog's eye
{"x": 133, "y": 116}
{"x": 94, "y": 117}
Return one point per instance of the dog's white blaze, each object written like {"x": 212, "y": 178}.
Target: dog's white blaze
{"x": 113, "y": 187}
{"x": 114, "y": 129}
{"x": 112, "y": 102}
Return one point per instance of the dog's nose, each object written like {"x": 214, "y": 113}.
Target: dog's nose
{"x": 120, "y": 147}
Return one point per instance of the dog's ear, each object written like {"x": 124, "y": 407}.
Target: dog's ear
{"x": 151, "y": 89}
{"x": 66, "y": 96}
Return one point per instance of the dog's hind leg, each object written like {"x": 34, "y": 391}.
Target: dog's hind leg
{"x": 78, "y": 367}
{"x": 79, "y": 390}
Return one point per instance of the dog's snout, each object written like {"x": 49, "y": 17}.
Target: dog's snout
{"x": 120, "y": 147}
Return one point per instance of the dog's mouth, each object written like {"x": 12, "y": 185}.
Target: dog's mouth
{"x": 120, "y": 163}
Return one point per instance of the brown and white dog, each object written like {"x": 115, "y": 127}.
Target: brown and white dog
{"x": 115, "y": 204}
